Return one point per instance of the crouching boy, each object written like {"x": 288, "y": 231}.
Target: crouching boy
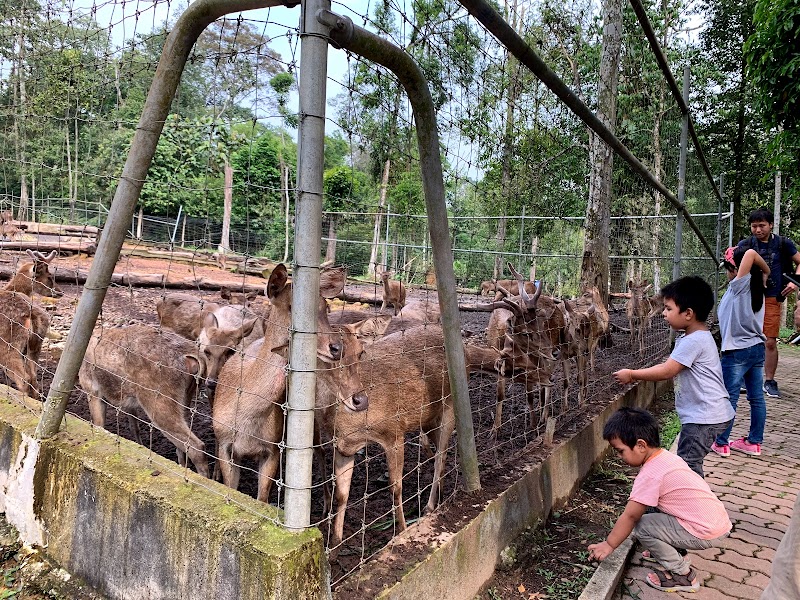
{"x": 687, "y": 513}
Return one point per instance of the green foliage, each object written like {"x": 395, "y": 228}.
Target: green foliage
{"x": 773, "y": 60}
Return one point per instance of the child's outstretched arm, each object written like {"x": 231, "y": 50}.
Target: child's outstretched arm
{"x": 622, "y": 529}
{"x": 666, "y": 370}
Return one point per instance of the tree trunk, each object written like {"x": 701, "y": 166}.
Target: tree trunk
{"x": 506, "y": 176}
{"x": 225, "y": 239}
{"x": 69, "y": 166}
{"x": 330, "y": 250}
{"x": 595, "y": 267}
{"x": 376, "y": 231}
{"x": 19, "y": 129}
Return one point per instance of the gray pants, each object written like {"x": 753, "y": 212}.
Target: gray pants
{"x": 695, "y": 442}
{"x": 785, "y": 582}
{"x": 662, "y": 534}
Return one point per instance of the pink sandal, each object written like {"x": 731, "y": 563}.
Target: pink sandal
{"x": 674, "y": 582}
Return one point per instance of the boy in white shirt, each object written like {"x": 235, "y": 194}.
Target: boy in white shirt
{"x": 701, "y": 399}
{"x": 688, "y": 515}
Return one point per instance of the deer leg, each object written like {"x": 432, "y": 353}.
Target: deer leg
{"x": 545, "y": 394}
{"x": 230, "y": 470}
{"x": 183, "y": 437}
{"x": 443, "y": 433}
{"x": 498, "y": 407}
{"x": 343, "y": 473}
{"x": 566, "y": 385}
{"x": 97, "y": 408}
{"x": 583, "y": 377}
{"x": 394, "y": 462}
{"x": 319, "y": 454}
{"x": 266, "y": 474}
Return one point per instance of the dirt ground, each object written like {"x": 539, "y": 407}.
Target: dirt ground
{"x": 369, "y": 524}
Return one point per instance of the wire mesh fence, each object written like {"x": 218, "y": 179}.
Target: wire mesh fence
{"x": 518, "y": 168}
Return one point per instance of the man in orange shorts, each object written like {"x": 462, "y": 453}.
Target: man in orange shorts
{"x": 781, "y": 254}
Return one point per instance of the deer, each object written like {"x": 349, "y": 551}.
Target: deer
{"x": 23, "y": 324}
{"x": 421, "y": 311}
{"x": 408, "y": 389}
{"x": 247, "y": 414}
{"x": 639, "y": 310}
{"x": 137, "y": 367}
{"x": 394, "y": 292}
{"x": 218, "y": 329}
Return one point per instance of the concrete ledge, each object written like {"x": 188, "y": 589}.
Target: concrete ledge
{"x": 459, "y": 566}
{"x": 132, "y": 526}
{"x": 604, "y": 582}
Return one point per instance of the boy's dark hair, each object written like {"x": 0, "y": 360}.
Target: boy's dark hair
{"x": 761, "y": 214}
{"x": 757, "y": 288}
{"x": 690, "y": 292}
{"x": 631, "y": 424}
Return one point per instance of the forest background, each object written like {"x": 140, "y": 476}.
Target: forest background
{"x": 70, "y": 100}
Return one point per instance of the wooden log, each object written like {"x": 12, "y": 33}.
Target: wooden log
{"x": 61, "y": 229}
{"x": 41, "y": 245}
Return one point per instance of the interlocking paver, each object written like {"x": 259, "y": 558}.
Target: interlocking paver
{"x": 759, "y": 493}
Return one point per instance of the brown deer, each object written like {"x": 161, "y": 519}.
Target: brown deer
{"x": 421, "y": 311}
{"x": 394, "y": 292}
{"x": 529, "y": 331}
{"x": 140, "y": 367}
{"x": 409, "y": 390}
{"x": 639, "y": 310}
{"x": 23, "y": 324}
{"x": 248, "y": 419}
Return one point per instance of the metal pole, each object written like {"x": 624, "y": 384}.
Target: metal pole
{"x": 676, "y": 263}
{"x": 156, "y": 108}
{"x": 177, "y": 221}
{"x": 302, "y": 378}
{"x": 730, "y": 225}
{"x": 497, "y": 25}
{"x": 719, "y": 238}
{"x": 370, "y": 46}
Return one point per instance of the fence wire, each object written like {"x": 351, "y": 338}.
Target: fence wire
{"x": 73, "y": 78}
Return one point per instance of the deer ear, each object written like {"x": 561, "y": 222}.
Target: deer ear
{"x": 247, "y": 326}
{"x": 371, "y": 329}
{"x": 210, "y": 321}
{"x": 278, "y": 280}
{"x": 192, "y": 364}
{"x": 331, "y": 282}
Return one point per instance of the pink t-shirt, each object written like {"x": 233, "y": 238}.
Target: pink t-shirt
{"x": 666, "y": 482}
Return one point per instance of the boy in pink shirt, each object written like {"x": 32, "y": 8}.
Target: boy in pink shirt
{"x": 686, "y": 513}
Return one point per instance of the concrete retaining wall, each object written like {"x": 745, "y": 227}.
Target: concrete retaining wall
{"x": 461, "y": 566}
{"x": 134, "y": 527}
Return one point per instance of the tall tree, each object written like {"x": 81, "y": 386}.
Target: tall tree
{"x": 595, "y": 268}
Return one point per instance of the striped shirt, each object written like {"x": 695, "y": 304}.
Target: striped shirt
{"x": 666, "y": 482}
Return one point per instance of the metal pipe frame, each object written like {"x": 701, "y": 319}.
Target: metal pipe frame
{"x": 495, "y": 23}
{"x": 364, "y": 43}
{"x": 176, "y": 50}
{"x": 661, "y": 58}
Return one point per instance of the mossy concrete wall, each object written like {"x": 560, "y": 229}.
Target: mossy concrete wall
{"x": 459, "y": 567}
{"x": 136, "y": 526}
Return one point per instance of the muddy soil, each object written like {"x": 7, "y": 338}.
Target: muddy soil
{"x": 369, "y": 524}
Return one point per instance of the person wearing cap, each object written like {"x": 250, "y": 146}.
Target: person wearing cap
{"x": 781, "y": 254}
{"x": 740, "y": 313}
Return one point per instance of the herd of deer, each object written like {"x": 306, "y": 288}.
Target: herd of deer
{"x": 378, "y": 378}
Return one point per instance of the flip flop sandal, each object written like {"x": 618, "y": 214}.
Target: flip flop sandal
{"x": 672, "y": 582}
{"x": 646, "y": 555}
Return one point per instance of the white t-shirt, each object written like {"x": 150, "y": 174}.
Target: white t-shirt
{"x": 740, "y": 327}
{"x": 700, "y": 394}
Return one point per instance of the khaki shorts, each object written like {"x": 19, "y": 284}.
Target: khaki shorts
{"x": 772, "y": 317}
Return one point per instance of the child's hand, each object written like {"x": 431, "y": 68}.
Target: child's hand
{"x": 599, "y": 551}
{"x": 624, "y": 376}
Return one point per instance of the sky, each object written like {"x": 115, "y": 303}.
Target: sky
{"x": 121, "y": 17}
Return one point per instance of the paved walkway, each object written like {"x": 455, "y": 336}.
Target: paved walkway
{"x": 759, "y": 493}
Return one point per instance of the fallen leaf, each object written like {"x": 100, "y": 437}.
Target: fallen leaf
{"x": 521, "y": 589}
